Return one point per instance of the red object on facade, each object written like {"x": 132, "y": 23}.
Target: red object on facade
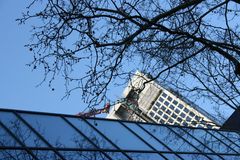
{"x": 94, "y": 112}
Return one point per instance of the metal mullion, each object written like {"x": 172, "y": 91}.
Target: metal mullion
{"x": 199, "y": 141}
{"x": 142, "y": 139}
{"x": 228, "y": 138}
{"x": 97, "y": 118}
{"x": 25, "y": 148}
{"x": 222, "y": 141}
{"x": 159, "y": 141}
{"x": 189, "y": 142}
{"x": 81, "y": 133}
{"x": 119, "y": 149}
{"x": 39, "y": 135}
{"x": 113, "y": 150}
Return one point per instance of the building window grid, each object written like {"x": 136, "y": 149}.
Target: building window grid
{"x": 166, "y": 106}
{"x": 172, "y": 107}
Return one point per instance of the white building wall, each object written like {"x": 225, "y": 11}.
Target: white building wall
{"x": 162, "y": 106}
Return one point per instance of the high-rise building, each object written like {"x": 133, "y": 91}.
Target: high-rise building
{"x": 26, "y": 135}
{"x": 158, "y": 104}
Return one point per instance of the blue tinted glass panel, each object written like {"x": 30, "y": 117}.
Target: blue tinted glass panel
{"x": 191, "y": 140}
{"x": 117, "y": 156}
{"x": 231, "y": 146}
{"x": 145, "y": 156}
{"x": 169, "y": 138}
{"x": 119, "y": 135}
{"x": 20, "y": 130}
{"x": 83, "y": 155}
{"x": 6, "y": 139}
{"x": 215, "y": 157}
{"x": 91, "y": 133}
{"x": 56, "y": 131}
{"x": 172, "y": 156}
{"x": 234, "y": 137}
{"x": 45, "y": 155}
{"x": 230, "y": 157}
{"x": 148, "y": 138}
{"x": 209, "y": 140}
{"x": 194, "y": 157}
{"x": 14, "y": 155}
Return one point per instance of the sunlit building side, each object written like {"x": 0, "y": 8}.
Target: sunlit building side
{"x": 158, "y": 104}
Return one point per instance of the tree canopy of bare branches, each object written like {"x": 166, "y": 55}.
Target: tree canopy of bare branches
{"x": 191, "y": 45}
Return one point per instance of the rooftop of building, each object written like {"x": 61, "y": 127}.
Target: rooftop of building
{"x": 38, "y": 135}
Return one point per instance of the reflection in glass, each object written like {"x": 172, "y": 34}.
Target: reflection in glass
{"x": 231, "y": 135}
{"x": 169, "y": 138}
{"x": 230, "y": 146}
{"x": 209, "y": 140}
{"x": 229, "y": 157}
{"x": 20, "y": 130}
{"x": 91, "y": 133}
{"x": 81, "y": 155}
{"x": 119, "y": 135}
{"x": 145, "y": 156}
{"x": 191, "y": 140}
{"x": 234, "y": 137}
{"x": 148, "y": 138}
{"x": 171, "y": 156}
{"x": 14, "y": 155}
{"x": 194, "y": 156}
{"x": 117, "y": 156}
{"x": 135, "y": 140}
{"x": 46, "y": 155}
{"x": 56, "y": 131}
{"x": 6, "y": 139}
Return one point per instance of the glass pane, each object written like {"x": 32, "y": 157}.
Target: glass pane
{"x": 83, "y": 155}
{"x": 46, "y": 155}
{"x": 91, "y": 133}
{"x": 172, "y": 156}
{"x": 14, "y": 155}
{"x": 6, "y": 139}
{"x": 215, "y": 157}
{"x": 56, "y": 131}
{"x": 169, "y": 138}
{"x": 148, "y": 138}
{"x": 230, "y": 157}
{"x": 20, "y": 130}
{"x": 119, "y": 135}
{"x": 191, "y": 140}
{"x": 230, "y": 146}
{"x": 194, "y": 157}
{"x": 117, "y": 156}
{"x": 209, "y": 140}
{"x": 234, "y": 137}
{"x": 145, "y": 156}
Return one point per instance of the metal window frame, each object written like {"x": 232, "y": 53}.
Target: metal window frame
{"x": 25, "y": 148}
{"x": 98, "y": 118}
{"x": 56, "y": 150}
{"x": 82, "y": 134}
{"x": 221, "y": 141}
{"x": 38, "y": 134}
{"x": 145, "y": 142}
{"x": 200, "y": 152}
{"x": 106, "y": 138}
{"x": 158, "y": 140}
{"x": 113, "y": 150}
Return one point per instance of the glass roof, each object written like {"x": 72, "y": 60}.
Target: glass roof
{"x": 43, "y": 136}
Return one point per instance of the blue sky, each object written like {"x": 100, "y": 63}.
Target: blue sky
{"x": 17, "y": 82}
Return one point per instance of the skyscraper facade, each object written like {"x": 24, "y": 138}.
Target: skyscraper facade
{"x": 157, "y": 104}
